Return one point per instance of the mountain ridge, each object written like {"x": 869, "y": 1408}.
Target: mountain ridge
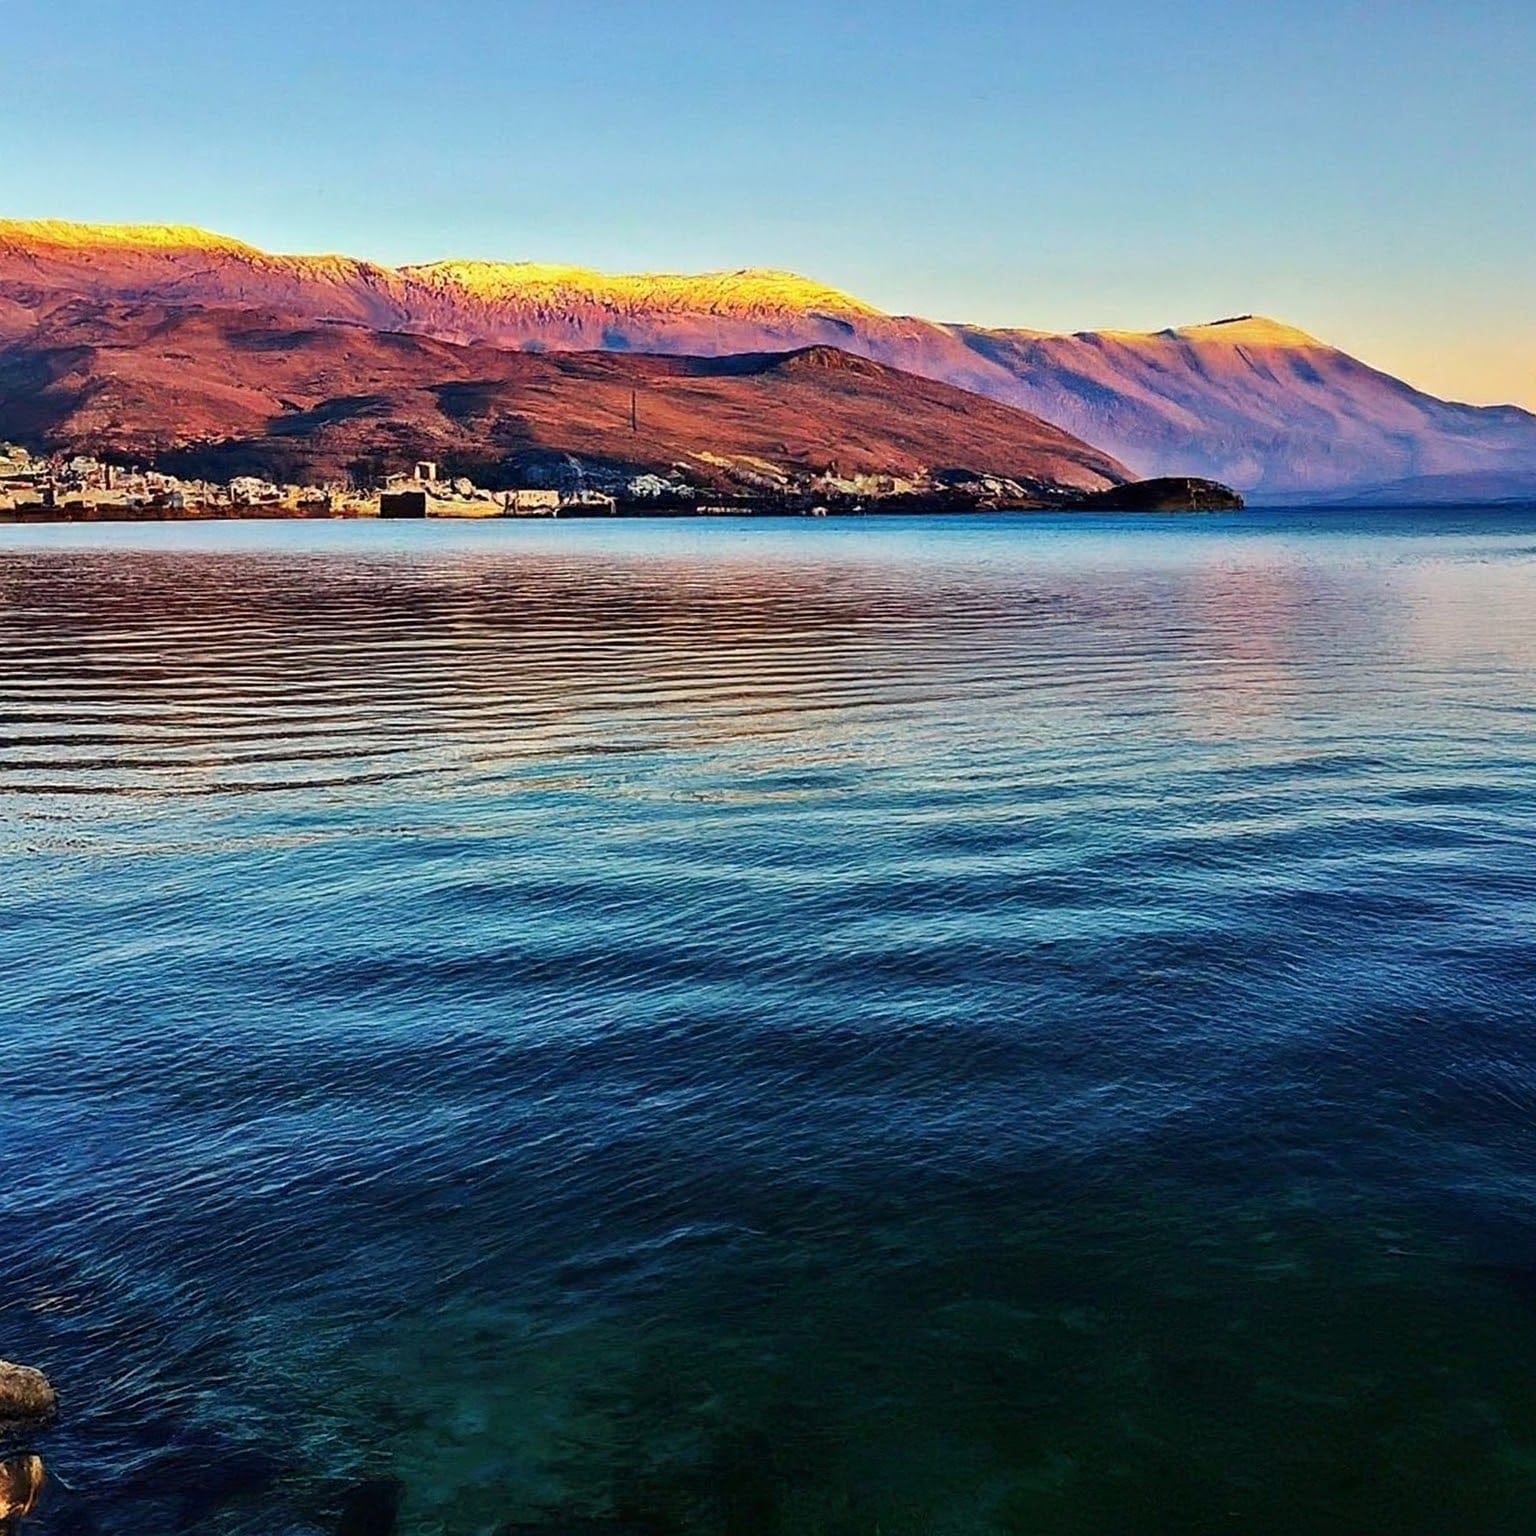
{"x": 1246, "y": 400}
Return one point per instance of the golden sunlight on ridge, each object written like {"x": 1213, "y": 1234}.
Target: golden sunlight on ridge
{"x": 1240, "y": 331}
{"x": 749, "y": 289}
{"x": 63, "y": 233}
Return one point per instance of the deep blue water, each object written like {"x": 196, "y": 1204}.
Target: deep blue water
{"x": 1020, "y": 1026}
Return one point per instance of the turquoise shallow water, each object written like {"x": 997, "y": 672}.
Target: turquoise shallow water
{"x": 1017, "y": 1025}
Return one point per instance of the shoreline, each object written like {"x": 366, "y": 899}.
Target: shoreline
{"x": 54, "y": 518}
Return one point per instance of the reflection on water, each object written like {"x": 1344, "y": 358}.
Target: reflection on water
{"x": 1014, "y": 1026}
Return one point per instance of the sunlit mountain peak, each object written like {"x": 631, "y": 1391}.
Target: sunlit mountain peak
{"x": 1248, "y": 331}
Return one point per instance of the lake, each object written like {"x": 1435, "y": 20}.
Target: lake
{"x": 1018, "y": 1025}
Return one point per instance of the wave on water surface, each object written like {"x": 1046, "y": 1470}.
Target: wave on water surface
{"x": 996, "y": 1026}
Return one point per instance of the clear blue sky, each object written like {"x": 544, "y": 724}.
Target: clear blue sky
{"x": 1364, "y": 170}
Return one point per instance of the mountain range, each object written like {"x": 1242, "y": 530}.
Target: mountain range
{"x": 1248, "y": 401}
{"x": 217, "y": 392}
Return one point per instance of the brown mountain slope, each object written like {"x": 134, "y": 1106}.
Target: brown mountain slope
{"x": 233, "y": 390}
{"x": 1253, "y": 403}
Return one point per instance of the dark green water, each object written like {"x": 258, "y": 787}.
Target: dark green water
{"x": 1014, "y": 1026}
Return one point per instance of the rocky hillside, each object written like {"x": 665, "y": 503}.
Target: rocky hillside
{"x": 225, "y": 391}
{"x": 1249, "y": 401}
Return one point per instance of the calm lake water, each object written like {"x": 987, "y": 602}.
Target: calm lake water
{"x": 1019, "y": 1026}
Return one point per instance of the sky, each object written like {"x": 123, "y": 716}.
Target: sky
{"x": 1366, "y": 171}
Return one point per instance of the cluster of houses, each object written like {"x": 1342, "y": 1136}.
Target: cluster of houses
{"x": 83, "y": 484}
{"x": 85, "y": 487}
{"x": 425, "y": 493}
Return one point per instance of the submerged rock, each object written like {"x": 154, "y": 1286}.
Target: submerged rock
{"x": 27, "y": 1398}
{"x": 1518, "y": 1281}
{"x": 372, "y": 1508}
{"x": 21, "y": 1480}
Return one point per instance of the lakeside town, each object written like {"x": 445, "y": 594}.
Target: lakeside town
{"x": 86, "y": 488}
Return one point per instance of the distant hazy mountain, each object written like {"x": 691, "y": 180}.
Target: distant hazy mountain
{"x": 1260, "y": 406}
{"x": 1489, "y": 488}
{"x": 220, "y": 391}
{"x": 1247, "y": 401}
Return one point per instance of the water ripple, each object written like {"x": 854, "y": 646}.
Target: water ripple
{"x": 979, "y": 1026}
